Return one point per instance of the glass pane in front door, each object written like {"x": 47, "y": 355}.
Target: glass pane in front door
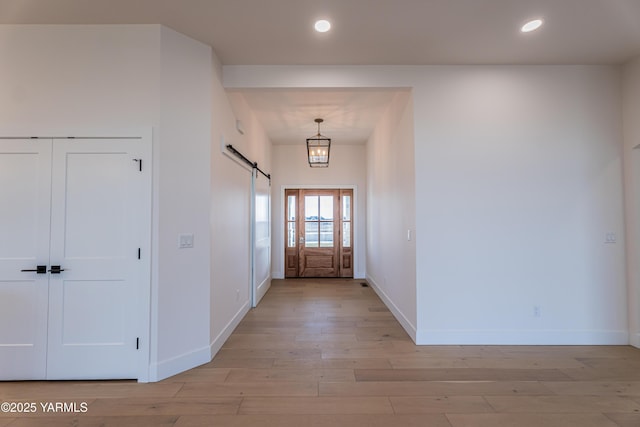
{"x": 326, "y": 234}
{"x": 346, "y": 208}
{"x": 291, "y": 207}
{"x": 326, "y": 208}
{"x": 311, "y": 234}
{"x": 311, "y": 208}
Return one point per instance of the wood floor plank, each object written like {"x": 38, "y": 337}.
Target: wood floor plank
{"x": 316, "y": 405}
{"x": 257, "y": 388}
{"x": 593, "y": 374}
{"x": 530, "y": 420}
{"x": 609, "y": 363}
{"x": 174, "y": 406}
{"x": 290, "y": 375}
{"x": 43, "y": 390}
{"x": 236, "y": 340}
{"x": 325, "y": 338}
{"x": 459, "y": 374}
{"x": 269, "y": 354}
{"x": 454, "y": 351}
{"x": 523, "y": 363}
{"x": 563, "y": 404}
{"x": 427, "y": 362}
{"x": 333, "y": 364}
{"x": 257, "y": 363}
{"x": 559, "y": 351}
{"x": 316, "y": 420}
{"x": 214, "y": 375}
{"x": 595, "y": 388}
{"x": 434, "y": 388}
{"x": 440, "y": 404}
{"x": 91, "y": 421}
{"x": 624, "y": 420}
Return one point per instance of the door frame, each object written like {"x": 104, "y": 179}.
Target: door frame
{"x": 144, "y": 151}
{"x": 354, "y": 206}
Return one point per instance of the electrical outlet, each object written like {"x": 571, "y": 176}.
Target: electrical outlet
{"x": 536, "y": 311}
{"x": 185, "y": 241}
{"x": 610, "y": 237}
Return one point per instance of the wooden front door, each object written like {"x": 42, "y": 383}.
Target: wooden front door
{"x": 319, "y": 233}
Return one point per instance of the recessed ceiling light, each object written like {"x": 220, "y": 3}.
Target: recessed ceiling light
{"x": 531, "y": 26}
{"x": 322, "y": 26}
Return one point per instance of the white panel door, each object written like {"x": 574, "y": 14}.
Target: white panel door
{"x": 25, "y": 194}
{"x": 97, "y": 226}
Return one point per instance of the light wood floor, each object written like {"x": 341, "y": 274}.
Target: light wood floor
{"x": 328, "y": 353}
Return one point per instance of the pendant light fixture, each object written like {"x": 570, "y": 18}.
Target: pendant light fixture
{"x": 318, "y": 149}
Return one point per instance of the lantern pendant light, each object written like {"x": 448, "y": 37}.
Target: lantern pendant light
{"x": 318, "y": 147}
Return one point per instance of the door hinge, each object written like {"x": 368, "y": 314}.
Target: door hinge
{"x": 139, "y": 163}
{"x": 138, "y": 343}
{"x": 139, "y": 253}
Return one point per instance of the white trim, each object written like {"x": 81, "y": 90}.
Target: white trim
{"x": 634, "y": 339}
{"x": 397, "y": 313}
{"x": 226, "y": 332}
{"x": 144, "y": 300}
{"x": 253, "y": 289}
{"x": 521, "y": 337}
{"x": 356, "y": 249}
{"x": 88, "y": 133}
{"x": 181, "y": 363}
{"x": 262, "y": 290}
{"x": 190, "y": 360}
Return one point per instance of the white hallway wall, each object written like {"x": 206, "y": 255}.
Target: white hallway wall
{"x": 184, "y": 138}
{"x": 347, "y": 167}
{"x": 518, "y": 178}
{"x": 391, "y": 211}
{"x": 230, "y": 210}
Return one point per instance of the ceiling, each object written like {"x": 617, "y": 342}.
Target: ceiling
{"x": 381, "y": 32}
{"x": 288, "y": 115}
{"x": 364, "y": 32}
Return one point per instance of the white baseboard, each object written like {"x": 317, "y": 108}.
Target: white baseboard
{"x": 178, "y": 364}
{"x": 262, "y": 289}
{"x": 277, "y": 275}
{"x": 184, "y": 362}
{"x": 397, "y": 313}
{"x": 634, "y": 339}
{"x": 226, "y": 332}
{"x": 521, "y": 337}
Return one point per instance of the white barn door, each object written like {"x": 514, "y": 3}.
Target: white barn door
{"x": 261, "y": 237}
{"x": 92, "y": 285}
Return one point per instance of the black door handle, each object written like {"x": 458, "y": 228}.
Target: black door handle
{"x": 40, "y": 269}
{"x": 55, "y": 269}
